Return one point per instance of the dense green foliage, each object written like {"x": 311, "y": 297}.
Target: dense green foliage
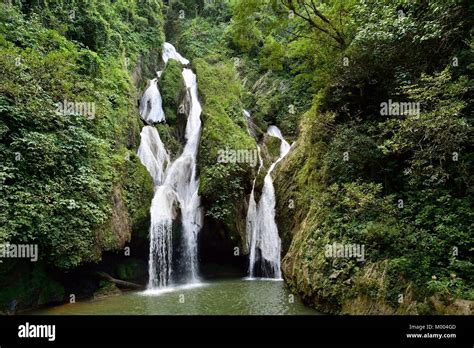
{"x": 222, "y": 184}
{"x": 172, "y": 90}
{"x": 398, "y": 184}
{"x": 200, "y": 37}
{"x": 70, "y": 182}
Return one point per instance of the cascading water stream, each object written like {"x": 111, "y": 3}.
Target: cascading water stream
{"x": 182, "y": 181}
{"x": 169, "y": 52}
{"x": 151, "y": 109}
{"x": 176, "y": 187}
{"x": 262, "y": 231}
{"x": 152, "y": 154}
{"x": 250, "y": 125}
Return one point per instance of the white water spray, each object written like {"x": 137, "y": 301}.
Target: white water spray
{"x": 250, "y": 125}
{"x": 151, "y": 109}
{"x": 177, "y": 189}
{"x": 153, "y": 154}
{"x": 169, "y": 52}
{"x": 262, "y": 231}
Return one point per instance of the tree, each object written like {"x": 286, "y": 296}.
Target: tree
{"x": 311, "y": 13}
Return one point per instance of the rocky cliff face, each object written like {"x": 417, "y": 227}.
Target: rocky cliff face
{"x": 27, "y": 285}
{"x": 225, "y": 180}
{"x": 310, "y": 217}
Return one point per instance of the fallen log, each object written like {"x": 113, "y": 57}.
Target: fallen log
{"x": 120, "y": 283}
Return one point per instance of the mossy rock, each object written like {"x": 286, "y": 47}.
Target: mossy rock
{"x": 170, "y": 136}
{"x": 138, "y": 193}
{"x": 130, "y": 269}
{"x": 106, "y": 289}
{"x": 273, "y": 147}
{"x": 346, "y": 212}
{"x": 172, "y": 89}
{"x": 223, "y": 186}
{"x": 28, "y": 286}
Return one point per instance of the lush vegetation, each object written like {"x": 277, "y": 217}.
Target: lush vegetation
{"x": 398, "y": 184}
{"x": 200, "y": 36}
{"x": 171, "y": 85}
{"x": 396, "y": 180}
{"x": 70, "y": 181}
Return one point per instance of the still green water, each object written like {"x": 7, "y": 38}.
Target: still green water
{"x": 223, "y": 297}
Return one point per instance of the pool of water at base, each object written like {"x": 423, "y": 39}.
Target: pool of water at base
{"x": 214, "y": 297}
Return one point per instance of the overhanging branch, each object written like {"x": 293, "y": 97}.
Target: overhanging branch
{"x": 309, "y": 12}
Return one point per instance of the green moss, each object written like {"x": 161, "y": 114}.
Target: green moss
{"x": 129, "y": 269}
{"x": 25, "y": 285}
{"x": 273, "y": 147}
{"x": 172, "y": 89}
{"x": 107, "y": 288}
{"x": 170, "y": 136}
{"x": 138, "y": 193}
{"x": 355, "y": 210}
{"x": 222, "y": 185}
{"x": 68, "y": 185}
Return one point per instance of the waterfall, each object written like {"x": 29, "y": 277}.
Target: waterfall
{"x": 250, "y": 125}
{"x": 251, "y": 222}
{"x": 181, "y": 179}
{"x": 262, "y": 231}
{"x": 176, "y": 188}
{"x": 151, "y": 109}
{"x": 169, "y": 52}
{"x": 152, "y": 154}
